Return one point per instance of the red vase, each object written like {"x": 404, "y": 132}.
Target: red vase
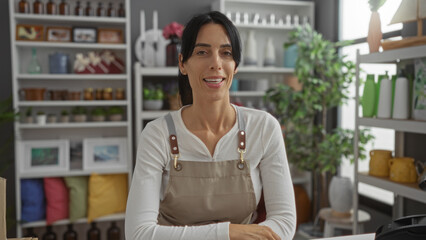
{"x": 172, "y": 51}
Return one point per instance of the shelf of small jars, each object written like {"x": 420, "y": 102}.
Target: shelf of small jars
{"x": 71, "y": 103}
{"x": 112, "y": 217}
{"x": 105, "y": 124}
{"x": 58, "y": 19}
{"x": 70, "y": 45}
{"x": 73, "y": 76}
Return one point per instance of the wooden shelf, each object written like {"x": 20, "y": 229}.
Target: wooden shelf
{"x": 70, "y": 103}
{"x": 391, "y": 56}
{"x": 105, "y": 124}
{"x": 30, "y": 44}
{"x": 398, "y": 125}
{"x": 67, "y": 19}
{"x": 68, "y": 77}
{"x": 112, "y": 217}
{"x": 408, "y": 190}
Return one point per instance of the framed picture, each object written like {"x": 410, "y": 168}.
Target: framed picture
{"x": 110, "y": 35}
{"x": 43, "y": 156}
{"x": 104, "y": 153}
{"x": 58, "y": 34}
{"x": 29, "y": 32}
{"x": 84, "y": 35}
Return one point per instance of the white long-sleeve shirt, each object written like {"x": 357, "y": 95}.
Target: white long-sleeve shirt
{"x": 268, "y": 168}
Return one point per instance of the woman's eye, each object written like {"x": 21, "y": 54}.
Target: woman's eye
{"x": 227, "y": 53}
{"x": 201, "y": 52}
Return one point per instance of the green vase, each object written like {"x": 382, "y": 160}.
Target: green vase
{"x": 369, "y": 97}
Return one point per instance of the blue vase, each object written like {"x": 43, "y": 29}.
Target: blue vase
{"x": 58, "y": 63}
{"x": 290, "y": 56}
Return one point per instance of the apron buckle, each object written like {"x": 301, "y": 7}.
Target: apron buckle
{"x": 176, "y": 165}
{"x": 241, "y": 163}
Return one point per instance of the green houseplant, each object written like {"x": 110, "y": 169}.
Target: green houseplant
{"x": 325, "y": 77}
{"x": 115, "y": 113}
{"x": 153, "y": 98}
{"x": 79, "y": 114}
{"x": 65, "y": 116}
{"x": 98, "y": 114}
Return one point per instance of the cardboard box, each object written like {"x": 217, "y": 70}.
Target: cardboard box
{"x": 3, "y": 228}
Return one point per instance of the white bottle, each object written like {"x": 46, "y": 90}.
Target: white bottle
{"x": 269, "y": 60}
{"x": 400, "y": 101}
{"x": 250, "y": 56}
{"x": 385, "y": 99}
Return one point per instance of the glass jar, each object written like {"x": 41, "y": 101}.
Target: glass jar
{"x": 24, "y": 7}
{"x": 37, "y": 7}
{"x": 121, "y": 11}
{"x": 107, "y": 94}
{"x": 89, "y": 10}
{"x": 98, "y": 94}
{"x": 88, "y": 94}
{"x": 120, "y": 94}
{"x": 78, "y": 11}
{"x": 51, "y": 8}
{"x": 64, "y": 8}
{"x": 111, "y": 12}
{"x": 100, "y": 12}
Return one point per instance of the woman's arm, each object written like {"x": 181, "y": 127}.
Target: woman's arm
{"x": 276, "y": 181}
{"x": 144, "y": 196}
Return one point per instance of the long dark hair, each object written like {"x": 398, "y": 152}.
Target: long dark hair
{"x": 189, "y": 37}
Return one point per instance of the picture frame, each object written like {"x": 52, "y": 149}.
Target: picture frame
{"x": 109, "y": 35}
{"x": 43, "y": 156}
{"x": 84, "y": 35}
{"x": 58, "y": 34}
{"x": 104, "y": 153}
{"x": 27, "y": 32}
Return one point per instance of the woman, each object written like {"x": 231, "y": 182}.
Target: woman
{"x": 200, "y": 171}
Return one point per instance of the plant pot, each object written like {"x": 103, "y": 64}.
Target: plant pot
{"x": 41, "y": 119}
{"x": 98, "y": 118}
{"x": 80, "y": 118}
{"x": 28, "y": 120}
{"x": 374, "y": 36}
{"x": 115, "y": 117}
{"x": 340, "y": 196}
{"x": 152, "y": 104}
{"x": 65, "y": 119}
{"x": 51, "y": 119}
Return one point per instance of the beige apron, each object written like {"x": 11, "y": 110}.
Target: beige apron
{"x": 207, "y": 192}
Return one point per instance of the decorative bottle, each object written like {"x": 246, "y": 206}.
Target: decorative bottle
{"x": 34, "y": 66}
{"x": 251, "y": 50}
{"x": 49, "y": 235}
{"x": 100, "y": 12}
{"x": 89, "y": 10}
{"x": 37, "y": 7}
{"x": 51, "y": 7}
{"x": 70, "y": 234}
{"x": 78, "y": 11}
{"x": 64, "y": 8}
{"x": 94, "y": 233}
{"x": 113, "y": 232}
{"x": 111, "y": 12}
{"x": 172, "y": 51}
{"x": 121, "y": 11}
{"x": 369, "y": 97}
{"x": 24, "y": 7}
{"x": 269, "y": 59}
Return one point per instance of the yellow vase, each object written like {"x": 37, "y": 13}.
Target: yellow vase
{"x": 379, "y": 163}
{"x": 402, "y": 170}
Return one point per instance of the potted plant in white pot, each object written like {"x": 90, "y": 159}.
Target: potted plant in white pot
{"x": 64, "y": 116}
{"x": 153, "y": 98}
{"x": 115, "y": 113}
{"x": 41, "y": 118}
{"x": 98, "y": 114}
{"x": 79, "y": 114}
{"x": 28, "y": 118}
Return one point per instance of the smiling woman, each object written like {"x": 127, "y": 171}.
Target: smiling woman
{"x": 200, "y": 171}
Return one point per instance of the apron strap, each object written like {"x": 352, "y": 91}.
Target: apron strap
{"x": 172, "y": 135}
{"x": 241, "y": 132}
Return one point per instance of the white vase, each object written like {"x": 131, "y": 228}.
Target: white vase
{"x": 152, "y": 104}
{"x": 269, "y": 59}
{"x": 250, "y": 53}
{"x": 340, "y": 194}
{"x": 400, "y": 101}
{"x": 41, "y": 119}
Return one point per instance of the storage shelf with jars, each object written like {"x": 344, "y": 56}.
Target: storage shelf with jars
{"x": 397, "y": 117}
{"x": 71, "y": 82}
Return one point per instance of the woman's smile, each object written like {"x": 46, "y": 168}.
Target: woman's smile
{"x": 214, "y": 81}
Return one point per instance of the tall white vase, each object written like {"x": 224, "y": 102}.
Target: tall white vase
{"x": 340, "y": 194}
{"x": 269, "y": 58}
{"x": 250, "y": 53}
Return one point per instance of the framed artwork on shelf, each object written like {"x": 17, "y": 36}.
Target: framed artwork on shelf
{"x": 104, "y": 153}
{"x": 26, "y": 32}
{"x": 110, "y": 35}
{"x": 58, "y": 34}
{"x": 43, "y": 156}
{"x": 84, "y": 35}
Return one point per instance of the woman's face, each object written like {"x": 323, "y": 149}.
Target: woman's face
{"x": 211, "y": 67}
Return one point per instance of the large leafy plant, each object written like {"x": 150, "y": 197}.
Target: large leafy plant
{"x": 325, "y": 76}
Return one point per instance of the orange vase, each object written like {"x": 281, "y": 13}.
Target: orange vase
{"x": 375, "y": 36}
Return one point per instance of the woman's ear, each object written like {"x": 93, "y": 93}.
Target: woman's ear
{"x": 181, "y": 67}
{"x": 236, "y": 70}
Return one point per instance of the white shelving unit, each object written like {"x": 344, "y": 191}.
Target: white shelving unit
{"x": 411, "y": 191}
{"x": 74, "y": 131}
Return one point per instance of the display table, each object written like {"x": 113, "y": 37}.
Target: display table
{"x": 369, "y": 236}
{"x": 332, "y": 222}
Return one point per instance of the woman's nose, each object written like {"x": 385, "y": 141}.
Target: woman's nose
{"x": 216, "y": 62}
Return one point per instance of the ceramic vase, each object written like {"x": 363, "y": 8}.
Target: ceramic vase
{"x": 269, "y": 60}
{"x": 41, "y": 119}
{"x": 374, "y": 32}
{"x": 385, "y": 100}
{"x": 400, "y": 104}
{"x": 172, "y": 51}
{"x": 250, "y": 54}
{"x": 369, "y": 97}
{"x": 340, "y": 195}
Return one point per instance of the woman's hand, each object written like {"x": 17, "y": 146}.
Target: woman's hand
{"x": 251, "y": 231}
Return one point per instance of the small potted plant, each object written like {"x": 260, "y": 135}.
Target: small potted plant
{"x": 51, "y": 118}
{"x": 115, "y": 113}
{"x": 28, "y": 118}
{"x": 79, "y": 114}
{"x": 41, "y": 118}
{"x": 98, "y": 114}
{"x": 153, "y": 98}
{"x": 64, "y": 116}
